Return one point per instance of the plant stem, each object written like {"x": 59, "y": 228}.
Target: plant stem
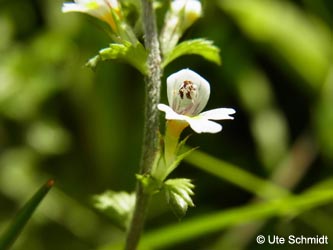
{"x": 151, "y": 126}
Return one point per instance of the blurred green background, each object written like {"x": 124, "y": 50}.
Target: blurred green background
{"x": 62, "y": 120}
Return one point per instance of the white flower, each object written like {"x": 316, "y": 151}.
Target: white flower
{"x": 188, "y": 94}
{"x": 101, "y": 9}
{"x": 181, "y": 15}
{"x": 192, "y": 9}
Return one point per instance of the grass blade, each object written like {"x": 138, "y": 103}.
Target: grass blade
{"x": 23, "y": 216}
{"x": 264, "y": 189}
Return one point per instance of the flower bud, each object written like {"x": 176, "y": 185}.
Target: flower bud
{"x": 188, "y": 92}
{"x": 192, "y": 11}
{"x": 182, "y": 14}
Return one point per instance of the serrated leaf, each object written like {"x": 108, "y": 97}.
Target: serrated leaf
{"x": 178, "y": 193}
{"x": 201, "y": 47}
{"x": 177, "y": 204}
{"x": 117, "y": 205}
{"x": 135, "y": 55}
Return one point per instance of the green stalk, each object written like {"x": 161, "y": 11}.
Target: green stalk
{"x": 151, "y": 126}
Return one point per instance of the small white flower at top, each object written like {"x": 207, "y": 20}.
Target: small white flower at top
{"x": 188, "y": 94}
{"x": 192, "y": 10}
{"x": 181, "y": 15}
{"x": 101, "y": 9}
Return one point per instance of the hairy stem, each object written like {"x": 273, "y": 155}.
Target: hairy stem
{"x": 151, "y": 126}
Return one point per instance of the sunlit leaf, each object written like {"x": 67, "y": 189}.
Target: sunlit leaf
{"x": 134, "y": 55}
{"x": 201, "y": 47}
{"x": 117, "y": 205}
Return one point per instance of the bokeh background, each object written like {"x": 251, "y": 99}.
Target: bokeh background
{"x": 83, "y": 128}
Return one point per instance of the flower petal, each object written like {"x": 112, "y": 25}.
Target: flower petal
{"x": 202, "y": 125}
{"x": 170, "y": 114}
{"x": 101, "y": 9}
{"x": 69, "y": 7}
{"x": 218, "y": 114}
{"x": 188, "y": 92}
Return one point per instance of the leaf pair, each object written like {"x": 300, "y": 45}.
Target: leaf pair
{"x": 136, "y": 55}
{"x": 119, "y": 206}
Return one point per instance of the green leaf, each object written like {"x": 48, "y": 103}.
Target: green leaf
{"x": 215, "y": 221}
{"x": 201, "y": 47}
{"x": 234, "y": 174}
{"x": 178, "y": 160}
{"x": 200, "y": 226}
{"x": 135, "y": 55}
{"x": 117, "y": 205}
{"x": 23, "y": 216}
{"x": 182, "y": 143}
{"x": 178, "y": 193}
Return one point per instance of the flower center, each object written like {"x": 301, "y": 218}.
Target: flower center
{"x": 187, "y": 89}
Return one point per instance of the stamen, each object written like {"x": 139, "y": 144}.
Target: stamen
{"x": 187, "y": 89}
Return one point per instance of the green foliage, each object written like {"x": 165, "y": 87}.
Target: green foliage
{"x": 206, "y": 224}
{"x": 116, "y": 205}
{"x": 201, "y": 47}
{"x": 178, "y": 193}
{"x": 28, "y": 81}
{"x": 302, "y": 42}
{"x": 23, "y": 216}
{"x": 150, "y": 184}
{"x": 176, "y": 162}
{"x": 323, "y": 118}
{"x": 236, "y": 175}
{"x": 257, "y": 98}
{"x": 55, "y": 120}
{"x": 163, "y": 168}
{"x": 135, "y": 55}
{"x": 174, "y": 234}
